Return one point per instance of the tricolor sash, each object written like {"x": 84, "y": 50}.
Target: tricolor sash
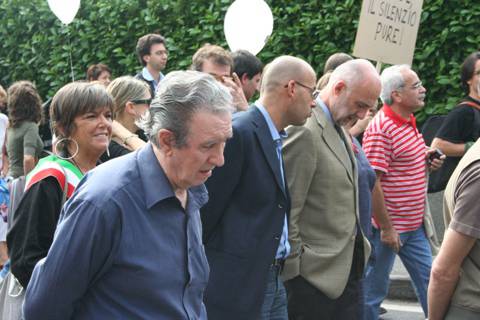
{"x": 53, "y": 166}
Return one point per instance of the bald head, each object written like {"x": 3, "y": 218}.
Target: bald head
{"x": 355, "y": 72}
{"x": 352, "y": 90}
{"x": 283, "y": 69}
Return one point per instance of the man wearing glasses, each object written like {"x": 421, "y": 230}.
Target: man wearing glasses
{"x": 245, "y": 223}
{"x": 399, "y": 156}
{"x": 328, "y": 248}
{"x": 153, "y": 54}
{"x": 218, "y": 62}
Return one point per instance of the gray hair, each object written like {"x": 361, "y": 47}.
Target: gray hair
{"x": 179, "y": 96}
{"x": 125, "y": 89}
{"x": 392, "y": 80}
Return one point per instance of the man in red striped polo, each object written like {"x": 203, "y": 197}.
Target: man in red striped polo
{"x": 397, "y": 152}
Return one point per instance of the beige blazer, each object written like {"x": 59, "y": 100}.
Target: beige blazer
{"x": 321, "y": 172}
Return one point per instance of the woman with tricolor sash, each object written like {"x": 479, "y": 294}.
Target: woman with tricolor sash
{"x": 81, "y": 116}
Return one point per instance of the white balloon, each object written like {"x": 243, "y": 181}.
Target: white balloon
{"x": 65, "y": 10}
{"x": 248, "y": 25}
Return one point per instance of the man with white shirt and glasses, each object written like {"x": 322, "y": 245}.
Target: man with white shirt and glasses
{"x": 153, "y": 55}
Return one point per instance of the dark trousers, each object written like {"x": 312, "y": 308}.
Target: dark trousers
{"x": 306, "y": 302}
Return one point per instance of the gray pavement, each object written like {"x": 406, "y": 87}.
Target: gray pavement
{"x": 402, "y": 310}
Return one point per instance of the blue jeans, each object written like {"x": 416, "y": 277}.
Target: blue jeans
{"x": 275, "y": 304}
{"x": 416, "y": 256}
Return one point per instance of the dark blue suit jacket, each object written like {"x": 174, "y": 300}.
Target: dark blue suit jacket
{"x": 243, "y": 220}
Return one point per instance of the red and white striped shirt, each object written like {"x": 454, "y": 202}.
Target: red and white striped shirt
{"x": 394, "y": 146}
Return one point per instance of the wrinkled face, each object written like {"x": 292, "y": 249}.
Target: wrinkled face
{"x": 474, "y": 82}
{"x": 104, "y": 78}
{"x": 218, "y": 71}
{"x": 193, "y": 163}
{"x": 157, "y": 59}
{"x": 250, "y": 86}
{"x": 352, "y": 104}
{"x": 92, "y": 131}
{"x": 412, "y": 94}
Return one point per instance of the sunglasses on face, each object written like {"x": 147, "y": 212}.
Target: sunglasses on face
{"x": 141, "y": 101}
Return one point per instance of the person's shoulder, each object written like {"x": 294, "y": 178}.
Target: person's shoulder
{"x": 3, "y": 118}
{"x": 104, "y": 182}
{"x": 28, "y": 125}
{"x": 246, "y": 121}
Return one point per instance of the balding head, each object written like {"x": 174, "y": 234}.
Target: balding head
{"x": 355, "y": 72}
{"x": 283, "y": 69}
{"x": 352, "y": 90}
{"x": 287, "y": 91}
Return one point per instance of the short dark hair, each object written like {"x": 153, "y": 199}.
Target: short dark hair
{"x": 24, "y": 103}
{"x": 75, "y": 99}
{"x": 216, "y": 53}
{"x": 95, "y": 70}
{"x": 335, "y": 60}
{"x": 145, "y": 43}
{"x": 467, "y": 70}
{"x": 246, "y": 63}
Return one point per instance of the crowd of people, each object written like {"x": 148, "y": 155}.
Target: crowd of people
{"x": 178, "y": 196}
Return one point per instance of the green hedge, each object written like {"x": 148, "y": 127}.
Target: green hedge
{"x": 35, "y": 45}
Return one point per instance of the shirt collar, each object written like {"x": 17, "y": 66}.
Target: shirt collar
{"x": 271, "y": 127}
{"x": 147, "y": 76}
{"x": 155, "y": 183}
{"x": 325, "y": 109}
{"x": 397, "y": 118}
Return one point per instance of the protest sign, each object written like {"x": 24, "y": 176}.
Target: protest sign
{"x": 387, "y": 30}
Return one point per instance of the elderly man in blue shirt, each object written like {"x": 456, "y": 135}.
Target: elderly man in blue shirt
{"x": 129, "y": 244}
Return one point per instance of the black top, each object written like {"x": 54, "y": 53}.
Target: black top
{"x": 33, "y": 227}
{"x": 459, "y": 126}
{"x": 117, "y": 150}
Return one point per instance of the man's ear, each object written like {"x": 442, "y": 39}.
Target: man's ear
{"x": 146, "y": 58}
{"x": 166, "y": 141}
{"x": 396, "y": 97}
{"x": 339, "y": 87}
{"x": 244, "y": 79}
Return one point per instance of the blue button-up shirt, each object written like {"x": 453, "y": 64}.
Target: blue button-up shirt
{"x": 147, "y": 76}
{"x": 124, "y": 249}
{"x": 284, "y": 247}
{"x": 325, "y": 109}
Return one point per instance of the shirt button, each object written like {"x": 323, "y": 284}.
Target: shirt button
{"x": 280, "y": 206}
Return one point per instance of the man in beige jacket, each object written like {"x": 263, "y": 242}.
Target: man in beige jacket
{"x": 328, "y": 249}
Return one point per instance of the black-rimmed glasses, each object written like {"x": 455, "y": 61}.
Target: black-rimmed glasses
{"x": 313, "y": 91}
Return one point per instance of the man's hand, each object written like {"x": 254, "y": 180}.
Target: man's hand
{"x": 391, "y": 238}
{"x": 434, "y": 162}
{"x": 235, "y": 87}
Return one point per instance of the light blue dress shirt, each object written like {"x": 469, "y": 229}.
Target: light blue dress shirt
{"x": 284, "y": 247}
{"x": 147, "y": 76}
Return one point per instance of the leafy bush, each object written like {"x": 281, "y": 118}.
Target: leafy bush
{"x": 36, "y": 46}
